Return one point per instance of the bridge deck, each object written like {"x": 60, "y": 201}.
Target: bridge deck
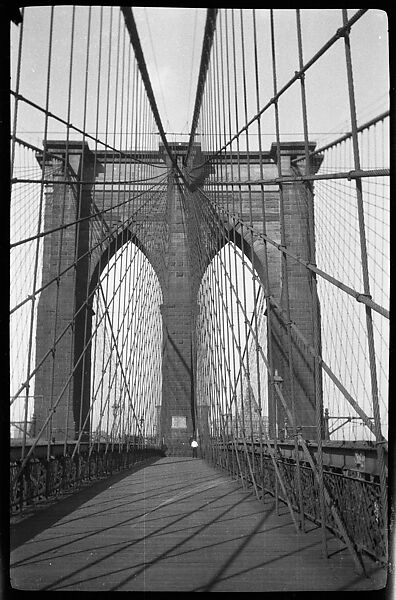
{"x": 176, "y": 525}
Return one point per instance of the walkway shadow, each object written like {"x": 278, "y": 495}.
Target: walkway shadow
{"x": 45, "y": 517}
{"x": 144, "y": 565}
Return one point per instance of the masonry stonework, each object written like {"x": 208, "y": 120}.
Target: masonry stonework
{"x": 169, "y": 240}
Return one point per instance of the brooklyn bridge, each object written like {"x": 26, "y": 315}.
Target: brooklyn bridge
{"x": 199, "y": 234}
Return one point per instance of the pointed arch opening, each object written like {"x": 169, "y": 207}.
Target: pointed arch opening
{"x": 231, "y": 379}
{"x": 126, "y": 350}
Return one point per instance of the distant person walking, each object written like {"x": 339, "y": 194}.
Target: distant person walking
{"x": 194, "y": 446}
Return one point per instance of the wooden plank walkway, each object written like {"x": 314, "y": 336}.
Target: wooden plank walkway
{"x": 175, "y": 525}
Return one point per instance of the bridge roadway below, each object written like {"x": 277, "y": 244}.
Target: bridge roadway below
{"x": 176, "y": 524}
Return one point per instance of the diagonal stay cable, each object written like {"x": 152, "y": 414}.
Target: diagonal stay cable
{"x": 24, "y": 385}
{"x": 89, "y": 217}
{"x": 359, "y": 296}
{"x": 310, "y": 349}
{"x": 85, "y": 134}
{"x": 109, "y": 237}
{"x": 115, "y": 346}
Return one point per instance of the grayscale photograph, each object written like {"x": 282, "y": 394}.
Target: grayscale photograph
{"x": 199, "y": 300}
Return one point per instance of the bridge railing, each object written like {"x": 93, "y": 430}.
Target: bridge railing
{"x": 357, "y": 495}
{"x": 42, "y": 479}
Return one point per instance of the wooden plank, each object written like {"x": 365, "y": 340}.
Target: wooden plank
{"x": 178, "y": 525}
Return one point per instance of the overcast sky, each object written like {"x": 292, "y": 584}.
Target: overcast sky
{"x": 172, "y": 42}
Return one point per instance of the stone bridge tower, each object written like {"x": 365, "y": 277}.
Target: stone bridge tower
{"x": 172, "y": 259}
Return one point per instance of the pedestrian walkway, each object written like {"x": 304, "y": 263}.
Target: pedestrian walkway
{"x": 176, "y": 525}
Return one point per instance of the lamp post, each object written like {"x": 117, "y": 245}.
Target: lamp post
{"x": 142, "y": 430}
{"x": 278, "y": 380}
{"x": 115, "y": 408}
{"x": 226, "y": 417}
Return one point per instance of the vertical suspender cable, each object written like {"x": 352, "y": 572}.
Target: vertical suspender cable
{"x": 69, "y": 102}
{"x": 37, "y": 250}
{"x": 285, "y": 263}
{"x": 18, "y": 77}
{"x": 266, "y": 284}
{"x": 366, "y": 280}
{"x": 312, "y": 260}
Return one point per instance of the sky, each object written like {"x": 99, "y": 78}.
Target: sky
{"x": 172, "y": 42}
{"x": 173, "y": 50}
